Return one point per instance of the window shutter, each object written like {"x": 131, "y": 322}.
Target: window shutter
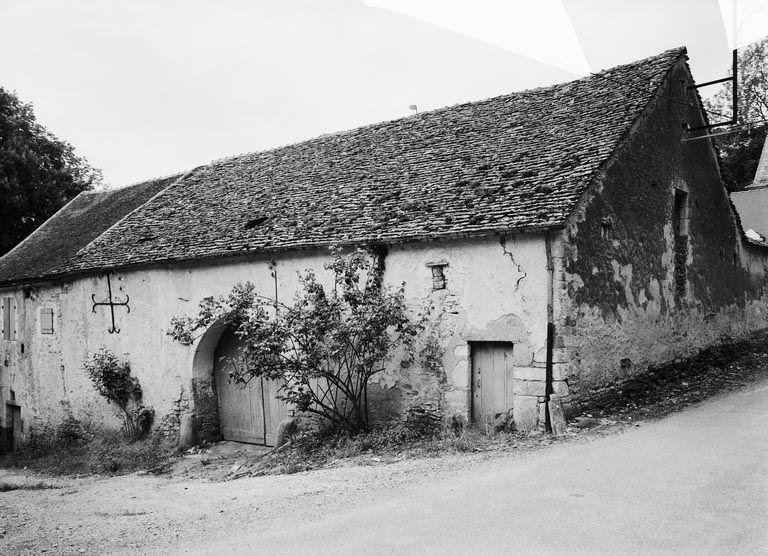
{"x": 6, "y": 323}
{"x": 46, "y": 321}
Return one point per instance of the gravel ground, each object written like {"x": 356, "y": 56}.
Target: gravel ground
{"x": 193, "y": 507}
{"x": 139, "y": 514}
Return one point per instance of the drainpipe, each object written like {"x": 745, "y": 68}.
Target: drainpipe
{"x": 548, "y": 390}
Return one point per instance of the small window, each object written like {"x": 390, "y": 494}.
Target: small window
{"x": 46, "y": 321}
{"x": 680, "y": 217}
{"x": 438, "y": 275}
{"x": 606, "y": 228}
{"x": 680, "y": 228}
{"x": 9, "y": 319}
{"x": 438, "y": 278}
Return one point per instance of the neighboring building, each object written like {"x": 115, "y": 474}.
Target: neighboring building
{"x": 752, "y": 202}
{"x": 578, "y": 238}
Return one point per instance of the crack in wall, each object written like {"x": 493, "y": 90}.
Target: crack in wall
{"x": 524, "y": 274}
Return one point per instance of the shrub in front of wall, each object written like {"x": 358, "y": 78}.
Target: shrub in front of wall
{"x": 111, "y": 377}
{"x": 324, "y": 347}
{"x": 71, "y": 431}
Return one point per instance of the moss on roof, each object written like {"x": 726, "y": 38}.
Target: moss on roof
{"x": 513, "y": 162}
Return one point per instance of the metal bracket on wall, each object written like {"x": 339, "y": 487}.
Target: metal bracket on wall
{"x": 112, "y": 304}
{"x": 734, "y": 95}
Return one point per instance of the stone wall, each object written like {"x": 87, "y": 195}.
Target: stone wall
{"x": 494, "y": 291}
{"x": 620, "y": 303}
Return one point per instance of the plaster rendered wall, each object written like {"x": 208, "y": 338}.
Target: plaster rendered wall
{"x": 495, "y": 291}
{"x": 617, "y": 309}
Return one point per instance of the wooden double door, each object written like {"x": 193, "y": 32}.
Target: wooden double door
{"x": 247, "y": 412}
{"x": 492, "y": 374}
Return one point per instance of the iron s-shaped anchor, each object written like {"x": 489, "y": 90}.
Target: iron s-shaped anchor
{"x": 112, "y": 304}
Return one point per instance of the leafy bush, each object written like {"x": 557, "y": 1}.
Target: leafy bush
{"x": 143, "y": 417}
{"x": 71, "y": 431}
{"x": 112, "y": 379}
{"x": 323, "y": 348}
{"x": 40, "y": 441}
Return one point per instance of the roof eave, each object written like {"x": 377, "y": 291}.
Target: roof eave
{"x": 362, "y": 242}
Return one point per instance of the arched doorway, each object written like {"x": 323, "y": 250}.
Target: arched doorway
{"x": 225, "y": 409}
{"x": 247, "y": 412}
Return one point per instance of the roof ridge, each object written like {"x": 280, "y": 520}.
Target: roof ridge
{"x": 148, "y": 180}
{"x": 383, "y": 123}
{"x": 174, "y": 177}
{"x": 511, "y": 162}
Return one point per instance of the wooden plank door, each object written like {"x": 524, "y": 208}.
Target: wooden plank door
{"x": 492, "y": 374}
{"x": 275, "y": 411}
{"x": 241, "y": 407}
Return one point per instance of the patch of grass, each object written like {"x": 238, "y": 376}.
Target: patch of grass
{"x": 5, "y": 487}
{"x": 104, "y": 452}
{"x": 113, "y": 454}
{"x": 314, "y": 451}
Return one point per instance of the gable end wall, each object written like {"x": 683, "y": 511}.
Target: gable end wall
{"x": 618, "y": 309}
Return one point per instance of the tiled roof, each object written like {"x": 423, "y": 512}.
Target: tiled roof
{"x": 51, "y": 249}
{"x": 752, "y": 207}
{"x": 514, "y": 162}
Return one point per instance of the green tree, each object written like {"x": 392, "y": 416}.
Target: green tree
{"x": 38, "y": 172}
{"x": 324, "y": 347}
{"x": 740, "y": 152}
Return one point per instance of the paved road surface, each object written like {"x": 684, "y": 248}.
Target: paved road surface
{"x": 694, "y": 483}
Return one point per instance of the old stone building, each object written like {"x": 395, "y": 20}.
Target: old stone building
{"x": 565, "y": 237}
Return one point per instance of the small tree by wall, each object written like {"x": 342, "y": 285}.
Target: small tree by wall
{"x": 111, "y": 377}
{"x": 324, "y": 347}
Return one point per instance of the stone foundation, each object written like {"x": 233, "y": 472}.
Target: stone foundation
{"x": 206, "y": 409}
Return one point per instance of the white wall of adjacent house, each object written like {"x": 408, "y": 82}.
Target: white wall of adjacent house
{"x": 495, "y": 292}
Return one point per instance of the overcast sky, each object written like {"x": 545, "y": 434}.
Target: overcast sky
{"x": 144, "y": 88}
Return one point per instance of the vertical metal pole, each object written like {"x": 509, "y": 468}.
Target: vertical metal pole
{"x": 111, "y": 307}
{"x": 735, "y": 59}
{"x": 548, "y": 389}
{"x": 734, "y": 89}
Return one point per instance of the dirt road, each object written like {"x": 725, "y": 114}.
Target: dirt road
{"x": 693, "y": 483}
